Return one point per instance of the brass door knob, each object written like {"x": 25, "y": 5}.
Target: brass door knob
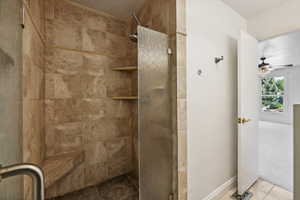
{"x": 243, "y": 120}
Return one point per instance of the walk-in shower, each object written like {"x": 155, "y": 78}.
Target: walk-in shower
{"x": 94, "y": 108}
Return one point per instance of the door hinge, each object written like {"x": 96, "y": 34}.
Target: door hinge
{"x": 170, "y": 51}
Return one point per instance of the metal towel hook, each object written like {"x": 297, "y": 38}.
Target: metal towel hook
{"x": 219, "y": 59}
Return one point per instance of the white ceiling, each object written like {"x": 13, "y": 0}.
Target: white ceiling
{"x": 284, "y": 49}
{"x": 119, "y": 8}
{"x": 250, "y": 8}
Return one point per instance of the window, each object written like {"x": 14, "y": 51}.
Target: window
{"x": 273, "y": 94}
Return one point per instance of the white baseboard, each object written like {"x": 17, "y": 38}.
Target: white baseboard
{"x": 222, "y": 190}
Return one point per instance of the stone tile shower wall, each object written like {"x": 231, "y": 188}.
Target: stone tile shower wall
{"x": 82, "y": 47}
{"x": 33, "y": 82}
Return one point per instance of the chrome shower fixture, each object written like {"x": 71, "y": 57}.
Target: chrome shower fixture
{"x": 219, "y": 59}
{"x": 138, "y": 22}
{"x": 133, "y": 37}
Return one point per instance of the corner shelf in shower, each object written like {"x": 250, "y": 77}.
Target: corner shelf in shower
{"x": 125, "y": 68}
{"x": 57, "y": 167}
{"x": 125, "y": 98}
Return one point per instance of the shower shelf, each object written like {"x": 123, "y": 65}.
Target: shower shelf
{"x": 125, "y": 98}
{"x": 57, "y": 167}
{"x": 126, "y": 68}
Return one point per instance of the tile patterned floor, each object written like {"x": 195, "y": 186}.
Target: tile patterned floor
{"x": 120, "y": 188}
{"x": 264, "y": 190}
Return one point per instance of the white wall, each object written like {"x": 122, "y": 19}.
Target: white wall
{"x": 276, "y": 21}
{"x": 276, "y": 139}
{"x": 276, "y": 153}
{"x": 213, "y": 30}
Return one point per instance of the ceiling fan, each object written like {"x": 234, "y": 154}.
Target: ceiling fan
{"x": 265, "y": 67}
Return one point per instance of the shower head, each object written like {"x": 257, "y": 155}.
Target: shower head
{"x": 133, "y": 37}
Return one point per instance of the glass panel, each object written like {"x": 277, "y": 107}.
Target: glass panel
{"x": 10, "y": 94}
{"x": 273, "y": 94}
{"x": 155, "y": 135}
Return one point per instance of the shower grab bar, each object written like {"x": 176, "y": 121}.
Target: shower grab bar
{"x": 26, "y": 169}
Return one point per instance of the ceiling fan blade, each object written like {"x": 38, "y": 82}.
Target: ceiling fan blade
{"x": 290, "y": 65}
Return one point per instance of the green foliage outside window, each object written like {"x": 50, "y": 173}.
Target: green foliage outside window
{"x": 273, "y": 94}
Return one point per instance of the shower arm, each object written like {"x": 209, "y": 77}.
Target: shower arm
{"x": 138, "y": 22}
{"x": 26, "y": 169}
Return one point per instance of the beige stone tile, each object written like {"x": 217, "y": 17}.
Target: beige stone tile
{"x": 95, "y": 21}
{"x": 108, "y": 128}
{"x": 96, "y": 152}
{"x": 116, "y": 27}
{"x": 33, "y": 46}
{"x": 60, "y": 86}
{"x": 64, "y": 61}
{"x": 182, "y": 183}
{"x": 182, "y": 152}
{"x": 64, "y": 110}
{"x": 229, "y": 194}
{"x": 104, "y": 42}
{"x": 94, "y": 174}
{"x": 68, "y": 12}
{"x": 66, "y": 35}
{"x": 118, "y": 109}
{"x": 96, "y": 65}
{"x": 91, "y": 87}
{"x": 182, "y": 115}
{"x": 36, "y": 9}
{"x": 258, "y": 194}
{"x": 262, "y": 186}
{"x": 181, "y": 16}
{"x": 92, "y": 109}
{"x": 278, "y": 193}
{"x": 33, "y": 80}
{"x": 181, "y": 50}
{"x": 72, "y": 182}
{"x": 64, "y": 138}
{"x": 119, "y": 156}
{"x": 49, "y": 9}
{"x": 32, "y": 131}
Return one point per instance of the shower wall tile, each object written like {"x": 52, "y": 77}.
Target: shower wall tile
{"x": 64, "y": 138}
{"x": 33, "y": 85}
{"x": 181, "y": 16}
{"x": 32, "y": 131}
{"x": 182, "y": 115}
{"x": 107, "y": 129}
{"x": 35, "y": 9}
{"x": 155, "y": 14}
{"x": 80, "y": 115}
{"x": 181, "y": 67}
{"x": 182, "y": 185}
{"x": 94, "y": 174}
{"x": 72, "y": 36}
{"x": 33, "y": 92}
{"x": 73, "y": 182}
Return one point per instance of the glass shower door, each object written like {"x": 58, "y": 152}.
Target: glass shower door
{"x": 10, "y": 94}
{"x": 155, "y": 128}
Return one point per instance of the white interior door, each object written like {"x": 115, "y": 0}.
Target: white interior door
{"x": 248, "y": 110}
